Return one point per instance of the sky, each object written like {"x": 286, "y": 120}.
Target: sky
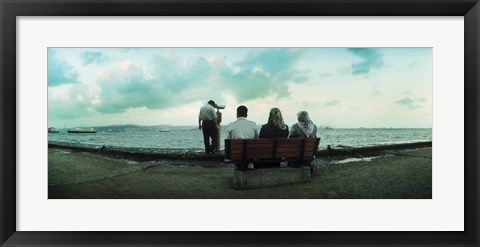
{"x": 339, "y": 87}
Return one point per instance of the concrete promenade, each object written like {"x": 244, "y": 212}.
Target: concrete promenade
{"x": 79, "y": 174}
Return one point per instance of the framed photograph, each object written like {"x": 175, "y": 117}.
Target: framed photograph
{"x": 413, "y": 65}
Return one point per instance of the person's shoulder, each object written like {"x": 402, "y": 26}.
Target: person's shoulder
{"x": 232, "y": 123}
{"x": 251, "y": 122}
{"x": 263, "y": 128}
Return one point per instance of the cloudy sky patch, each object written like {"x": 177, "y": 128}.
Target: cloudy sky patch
{"x": 411, "y": 104}
{"x": 332, "y": 102}
{"x": 148, "y": 86}
{"x": 59, "y": 70}
{"x": 370, "y": 58}
{"x": 92, "y": 57}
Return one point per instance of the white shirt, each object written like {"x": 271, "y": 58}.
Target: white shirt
{"x": 242, "y": 129}
{"x": 207, "y": 112}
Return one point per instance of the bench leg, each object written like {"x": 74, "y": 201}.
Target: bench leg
{"x": 241, "y": 166}
{"x": 311, "y": 165}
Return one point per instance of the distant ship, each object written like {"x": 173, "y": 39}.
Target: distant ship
{"x": 82, "y": 130}
{"x": 163, "y": 130}
{"x": 52, "y": 130}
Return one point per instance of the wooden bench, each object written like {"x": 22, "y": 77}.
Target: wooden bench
{"x": 293, "y": 150}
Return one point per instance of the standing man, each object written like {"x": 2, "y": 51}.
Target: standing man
{"x": 207, "y": 122}
{"x": 242, "y": 128}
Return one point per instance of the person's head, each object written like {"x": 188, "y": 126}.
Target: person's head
{"x": 242, "y": 111}
{"x": 303, "y": 117}
{"x": 275, "y": 117}
{"x": 212, "y": 103}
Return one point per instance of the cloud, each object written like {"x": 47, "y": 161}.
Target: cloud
{"x": 332, "y": 102}
{"x": 176, "y": 76}
{"x": 168, "y": 84}
{"x": 171, "y": 80}
{"x": 59, "y": 71}
{"x": 77, "y": 102}
{"x": 371, "y": 59}
{"x": 325, "y": 75}
{"x": 410, "y": 103}
{"x": 126, "y": 87}
{"x": 263, "y": 72}
{"x": 405, "y": 101}
{"x": 91, "y": 57}
{"x": 376, "y": 93}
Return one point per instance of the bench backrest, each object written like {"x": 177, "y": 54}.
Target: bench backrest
{"x": 271, "y": 148}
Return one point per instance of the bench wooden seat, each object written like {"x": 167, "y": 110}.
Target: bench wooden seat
{"x": 296, "y": 150}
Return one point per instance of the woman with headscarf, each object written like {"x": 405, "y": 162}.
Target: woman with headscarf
{"x": 304, "y": 127}
{"x": 275, "y": 128}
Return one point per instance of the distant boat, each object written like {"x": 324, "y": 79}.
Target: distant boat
{"x": 163, "y": 130}
{"x": 82, "y": 130}
{"x": 52, "y": 130}
{"x": 114, "y": 130}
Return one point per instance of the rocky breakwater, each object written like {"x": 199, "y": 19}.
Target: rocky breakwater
{"x": 139, "y": 154}
{"x": 370, "y": 150}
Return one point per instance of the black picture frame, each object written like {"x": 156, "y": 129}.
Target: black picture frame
{"x": 10, "y": 9}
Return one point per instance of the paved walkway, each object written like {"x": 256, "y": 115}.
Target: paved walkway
{"x": 70, "y": 167}
{"x": 73, "y": 174}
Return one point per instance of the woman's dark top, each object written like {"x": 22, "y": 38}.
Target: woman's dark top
{"x": 270, "y": 131}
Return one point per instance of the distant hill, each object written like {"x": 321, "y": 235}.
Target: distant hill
{"x": 133, "y": 127}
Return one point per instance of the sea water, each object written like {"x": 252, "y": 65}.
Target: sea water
{"x": 192, "y": 138}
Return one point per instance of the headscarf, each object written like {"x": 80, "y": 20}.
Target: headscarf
{"x": 275, "y": 118}
{"x": 304, "y": 123}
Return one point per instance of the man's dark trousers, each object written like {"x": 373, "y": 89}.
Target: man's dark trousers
{"x": 209, "y": 130}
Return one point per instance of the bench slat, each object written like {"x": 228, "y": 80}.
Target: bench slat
{"x": 238, "y": 150}
{"x": 270, "y": 145}
{"x": 271, "y": 140}
{"x": 279, "y": 153}
{"x": 268, "y": 156}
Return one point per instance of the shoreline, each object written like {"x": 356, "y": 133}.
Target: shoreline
{"x": 148, "y": 154}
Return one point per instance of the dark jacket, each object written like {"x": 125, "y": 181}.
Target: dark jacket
{"x": 270, "y": 131}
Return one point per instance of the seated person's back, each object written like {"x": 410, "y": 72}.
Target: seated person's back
{"x": 304, "y": 127}
{"x": 242, "y": 128}
{"x": 270, "y": 131}
{"x": 275, "y": 127}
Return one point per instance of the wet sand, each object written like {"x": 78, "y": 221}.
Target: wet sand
{"x": 399, "y": 174}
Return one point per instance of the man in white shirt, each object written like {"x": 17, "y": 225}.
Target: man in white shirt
{"x": 207, "y": 122}
{"x": 242, "y": 128}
